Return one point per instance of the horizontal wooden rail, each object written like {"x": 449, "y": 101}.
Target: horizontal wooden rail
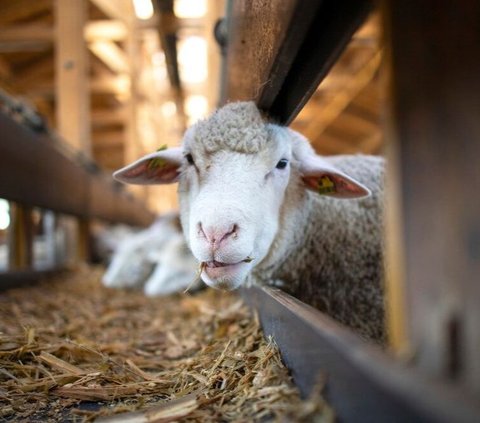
{"x": 363, "y": 384}
{"x": 21, "y": 278}
{"x": 36, "y": 170}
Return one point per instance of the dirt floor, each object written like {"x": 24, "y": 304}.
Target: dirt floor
{"x": 72, "y": 350}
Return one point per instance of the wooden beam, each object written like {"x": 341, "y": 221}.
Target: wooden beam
{"x": 110, "y": 54}
{"x": 113, "y": 30}
{"x": 36, "y": 73}
{"x": 118, "y": 9}
{"x": 300, "y": 41}
{"x": 362, "y": 383}
{"x": 114, "y": 85}
{"x": 118, "y": 85}
{"x": 39, "y": 171}
{"x": 108, "y": 117}
{"x": 5, "y": 70}
{"x": 108, "y": 139}
{"x": 342, "y": 98}
{"x": 39, "y": 36}
{"x": 20, "y": 237}
{"x": 434, "y": 132}
{"x": 27, "y": 32}
{"x": 11, "y": 11}
{"x": 71, "y": 70}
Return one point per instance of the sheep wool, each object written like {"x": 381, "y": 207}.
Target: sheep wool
{"x": 334, "y": 255}
{"x": 258, "y": 206}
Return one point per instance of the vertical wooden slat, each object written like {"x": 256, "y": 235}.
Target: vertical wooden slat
{"x": 435, "y": 86}
{"x": 72, "y": 88}
{"x": 20, "y": 237}
{"x": 132, "y": 149}
{"x": 71, "y": 74}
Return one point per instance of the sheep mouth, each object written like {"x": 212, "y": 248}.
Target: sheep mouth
{"x": 215, "y": 264}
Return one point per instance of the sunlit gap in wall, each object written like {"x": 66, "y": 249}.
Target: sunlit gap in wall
{"x": 4, "y": 214}
{"x": 192, "y": 58}
{"x": 196, "y": 107}
{"x": 186, "y": 9}
{"x": 143, "y": 9}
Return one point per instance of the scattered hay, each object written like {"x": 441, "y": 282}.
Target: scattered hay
{"x": 72, "y": 350}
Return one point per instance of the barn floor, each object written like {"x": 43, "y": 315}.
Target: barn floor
{"x": 72, "y": 350}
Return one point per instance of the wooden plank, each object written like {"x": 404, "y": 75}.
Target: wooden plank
{"x": 71, "y": 71}
{"x": 278, "y": 52}
{"x": 113, "y": 30}
{"x": 329, "y": 33}
{"x": 27, "y": 32}
{"x": 435, "y": 107}
{"x": 20, "y": 237}
{"x": 118, "y": 9}
{"x": 343, "y": 97}
{"x": 111, "y": 55}
{"x": 21, "y": 278}
{"x": 11, "y": 11}
{"x": 362, "y": 383}
{"x": 35, "y": 170}
{"x": 256, "y": 30}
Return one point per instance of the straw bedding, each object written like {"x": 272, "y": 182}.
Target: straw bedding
{"x": 72, "y": 350}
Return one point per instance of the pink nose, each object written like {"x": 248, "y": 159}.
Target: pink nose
{"x": 215, "y": 235}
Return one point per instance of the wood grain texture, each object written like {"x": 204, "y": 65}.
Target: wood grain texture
{"x": 35, "y": 171}
{"x": 363, "y": 384}
{"x": 435, "y": 85}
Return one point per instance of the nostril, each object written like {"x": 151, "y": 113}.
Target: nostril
{"x": 234, "y": 232}
{"x": 200, "y": 230}
{"x": 217, "y": 234}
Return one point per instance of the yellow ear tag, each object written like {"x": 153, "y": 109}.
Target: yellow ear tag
{"x": 325, "y": 185}
{"x": 158, "y": 162}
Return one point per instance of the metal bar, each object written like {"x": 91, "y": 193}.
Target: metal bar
{"x": 35, "y": 172}
{"x": 362, "y": 383}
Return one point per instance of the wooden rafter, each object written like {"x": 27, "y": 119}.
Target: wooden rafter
{"x": 337, "y": 103}
{"x": 118, "y": 9}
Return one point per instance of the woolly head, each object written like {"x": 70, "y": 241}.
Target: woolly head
{"x": 238, "y": 175}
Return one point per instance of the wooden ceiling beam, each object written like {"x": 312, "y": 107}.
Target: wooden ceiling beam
{"x": 115, "y": 85}
{"x": 27, "y": 32}
{"x": 110, "y": 54}
{"x": 352, "y": 123}
{"x": 338, "y": 103}
{"x": 11, "y": 11}
{"x": 108, "y": 29}
{"x": 39, "y": 36}
{"x": 118, "y": 9}
{"x": 108, "y": 117}
{"x": 108, "y": 139}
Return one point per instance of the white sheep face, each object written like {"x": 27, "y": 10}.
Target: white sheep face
{"x": 235, "y": 173}
{"x": 230, "y": 202}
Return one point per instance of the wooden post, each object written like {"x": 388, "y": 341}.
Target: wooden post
{"x": 20, "y": 237}
{"x": 72, "y": 88}
{"x": 71, "y": 74}
{"x": 434, "y": 58}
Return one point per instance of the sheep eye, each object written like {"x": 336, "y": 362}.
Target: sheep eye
{"x": 282, "y": 164}
{"x": 189, "y": 158}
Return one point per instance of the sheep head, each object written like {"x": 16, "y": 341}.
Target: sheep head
{"x": 240, "y": 182}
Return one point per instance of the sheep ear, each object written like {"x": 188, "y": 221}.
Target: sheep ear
{"x": 160, "y": 167}
{"x": 324, "y": 179}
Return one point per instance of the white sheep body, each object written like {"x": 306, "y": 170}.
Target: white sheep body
{"x": 334, "y": 255}
{"x": 156, "y": 259}
{"x": 251, "y": 211}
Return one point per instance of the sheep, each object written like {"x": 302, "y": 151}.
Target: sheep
{"x": 258, "y": 206}
{"x": 157, "y": 259}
